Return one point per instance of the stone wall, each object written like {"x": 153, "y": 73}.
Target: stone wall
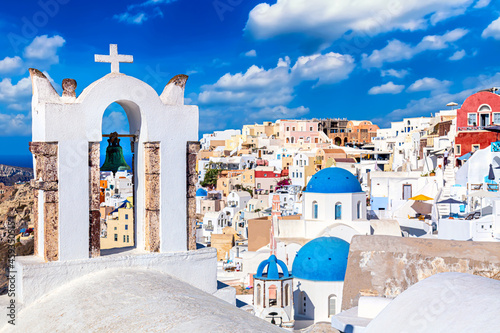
{"x": 94, "y": 200}
{"x": 387, "y": 265}
{"x": 152, "y": 189}
{"x": 192, "y": 178}
{"x": 46, "y": 180}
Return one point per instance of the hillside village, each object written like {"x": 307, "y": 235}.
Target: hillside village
{"x": 298, "y": 225}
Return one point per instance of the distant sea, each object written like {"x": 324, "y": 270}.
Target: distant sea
{"x": 26, "y": 161}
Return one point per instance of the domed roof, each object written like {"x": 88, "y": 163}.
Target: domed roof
{"x": 201, "y": 192}
{"x": 322, "y": 259}
{"x": 272, "y": 273}
{"x": 333, "y": 180}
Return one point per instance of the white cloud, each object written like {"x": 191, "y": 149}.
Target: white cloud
{"x": 482, "y": 3}
{"x": 137, "y": 18}
{"x": 278, "y": 112}
{"x": 457, "y": 55}
{"x": 251, "y": 53}
{"x": 14, "y": 92}
{"x": 142, "y": 12}
{"x": 258, "y": 87}
{"x": 44, "y": 48}
{"x": 15, "y": 124}
{"x": 327, "y": 21}
{"x": 493, "y": 30}
{"x": 388, "y": 88}
{"x": 328, "y": 68}
{"x": 10, "y": 65}
{"x": 438, "y": 101}
{"x": 397, "y": 50}
{"x": 115, "y": 121}
{"x": 428, "y": 84}
{"x": 393, "y": 72}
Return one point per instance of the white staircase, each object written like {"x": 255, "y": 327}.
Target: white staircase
{"x": 449, "y": 180}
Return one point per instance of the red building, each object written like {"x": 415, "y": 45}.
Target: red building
{"x": 478, "y": 111}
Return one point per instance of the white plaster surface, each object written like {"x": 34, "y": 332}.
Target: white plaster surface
{"x": 35, "y": 278}
{"x": 133, "y": 300}
{"x": 446, "y": 302}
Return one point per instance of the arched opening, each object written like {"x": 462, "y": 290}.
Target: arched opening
{"x": 338, "y": 211}
{"x": 332, "y": 305}
{"x": 287, "y": 140}
{"x": 338, "y": 141}
{"x": 258, "y": 290}
{"x": 345, "y": 141}
{"x": 273, "y": 295}
{"x": 292, "y": 139}
{"x": 302, "y": 303}
{"x": 358, "y": 209}
{"x": 287, "y": 295}
{"x": 118, "y": 209}
{"x": 315, "y": 210}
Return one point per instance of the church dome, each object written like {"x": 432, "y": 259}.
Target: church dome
{"x": 322, "y": 259}
{"x": 272, "y": 273}
{"x": 201, "y": 192}
{"x": 333, "y": 180}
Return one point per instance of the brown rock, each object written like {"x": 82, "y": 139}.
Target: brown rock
{"x": 152, "y": 230}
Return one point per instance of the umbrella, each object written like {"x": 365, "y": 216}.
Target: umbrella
{"x": 450, "y": 201}
{"x": 465, "y": 157}
{"x": 493, "y": 128}
{"x": 421, "y": 197}
{"x": 482, "y": 194}
{"x": 491, "y": 174}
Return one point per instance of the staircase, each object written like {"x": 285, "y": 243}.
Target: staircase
{"x": 449, "y": 180}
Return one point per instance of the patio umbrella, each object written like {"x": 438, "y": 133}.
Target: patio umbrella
{"x": 450, "y": 201}
{"x": 465, "y": 157}
{"x": 482, "y": 194}
{"x": 493, "y": 128}
{"x": 421, "y": 197}
{"x": 491, "y": 174}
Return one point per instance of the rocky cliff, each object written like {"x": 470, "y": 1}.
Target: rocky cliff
{"x": 9, "y": 175}
{"x": 17, "y": 206}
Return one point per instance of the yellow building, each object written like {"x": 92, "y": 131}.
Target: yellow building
{"x": 120, "y": 228}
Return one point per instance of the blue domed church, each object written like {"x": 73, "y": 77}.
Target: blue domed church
{"x": 319, "y": 270}
{"x": 333, "y": 205}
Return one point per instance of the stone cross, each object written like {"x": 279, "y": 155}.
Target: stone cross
{"x": 114, "y": 58}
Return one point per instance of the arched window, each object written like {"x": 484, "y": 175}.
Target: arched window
{"x": 359, "y": 210}
{"x": 332, "y": 303}
{"x": 287, "y": 295}
{"x": 484, "y": 108}
{"x": 273, "y": 296}
{"x": 315, "y": 210}
{"x": 338, "y": 211}
{"x": 257, "y": 292}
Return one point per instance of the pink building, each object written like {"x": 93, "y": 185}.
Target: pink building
{"x": 299, "y": 132}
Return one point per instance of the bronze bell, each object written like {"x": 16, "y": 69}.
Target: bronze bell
{"x": 115, "y": 161}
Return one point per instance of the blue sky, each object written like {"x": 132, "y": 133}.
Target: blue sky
{"x": 251, "y": 61}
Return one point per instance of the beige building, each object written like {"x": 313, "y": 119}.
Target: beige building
{"x": 119, "y": 231}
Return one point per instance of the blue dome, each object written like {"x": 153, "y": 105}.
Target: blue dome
{"x": 272, "y": 273}
{"x": 333, "y": 180}
{"x": 322, "y": 259}
{"x": 201, "y": 192}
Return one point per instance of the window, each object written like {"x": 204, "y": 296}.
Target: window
{"x": 258, "y": 291}
{"x": 301, "y": 175}
{"x": 288, "y": 129}
{"x": 472, "y": 119}
{"x": 116, "y": 228}
{"x": 116, "y": 237}
{"x": 458, "y": 150}
{"x": 128, "y": 239}
{"x": 475, "y": 147}
{"x": 407, "y": 192}
{"x": 311, "y": 129}
{"x": 293, "y": 129}
{"x": 332, "y": 303}
{"x": 359, "y": 210}
{"x": 287, "y": 295}
{"x": 124, "y": 238}
{"x": 126, "y": 217}
{"x": 303, "y": 302}
{"x": 484, "y": 108}
{"x": 338, "y": 211}
{"x": 126, "y": 226}
{"x": 315, "y": 210}
{"x": 496, "y": 118}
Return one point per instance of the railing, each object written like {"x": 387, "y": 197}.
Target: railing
{"x": 493, "y": 187}
{"x": 472, "y": 128}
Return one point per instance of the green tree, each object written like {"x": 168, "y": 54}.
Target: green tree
{"x": 211, "y": 177}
